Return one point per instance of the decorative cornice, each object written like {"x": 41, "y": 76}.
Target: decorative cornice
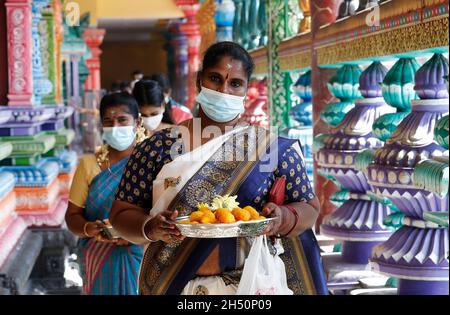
{"x": 401, "y": 39}
{"x": 28, "y": 115}
{"x": 294, "y": 53}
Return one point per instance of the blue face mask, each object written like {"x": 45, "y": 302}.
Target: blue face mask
{"x": 220, "y": 107}
{"x": 119, "y": 138}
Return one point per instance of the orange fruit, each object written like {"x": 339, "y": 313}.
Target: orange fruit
{"x": 241, "y": 214}
{"x": 196, "y": 215}
{"x": 184, "y": 222}
{"x": 204, "y": 209}
{"x": 221, "y": 211}
{"x": 207, "y": 220}
{"x": 227, "y": 218}
{"x": 254, "y": 215}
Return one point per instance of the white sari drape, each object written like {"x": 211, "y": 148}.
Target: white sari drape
{"x": 186, "y": 166}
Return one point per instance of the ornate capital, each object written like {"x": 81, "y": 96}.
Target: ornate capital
{"x": 94, "y": 38}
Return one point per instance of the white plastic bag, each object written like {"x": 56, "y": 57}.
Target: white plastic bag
{"x": 263, "y": 274}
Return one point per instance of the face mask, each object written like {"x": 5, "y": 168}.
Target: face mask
{"x": 120, "y": 138}
{"x": 151, "y": 123}
{"x": 167, "y": 99}
{"x": 220, "y": 107}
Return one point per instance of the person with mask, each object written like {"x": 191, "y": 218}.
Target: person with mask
{"x": 109, "y": 266}
{"x": 179, "y": 112}
{"x": 155, "y": 116}
{"x": 174, "y": 171}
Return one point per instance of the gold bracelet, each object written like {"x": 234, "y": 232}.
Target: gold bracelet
{"x": 84, "y": 230}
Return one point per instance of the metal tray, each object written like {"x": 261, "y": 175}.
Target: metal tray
{"x": 222, "y": 230}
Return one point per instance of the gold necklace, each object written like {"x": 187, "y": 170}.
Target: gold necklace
{"x": 103, "y": 157}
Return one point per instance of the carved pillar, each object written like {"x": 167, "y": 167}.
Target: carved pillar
{"x": 237, "y": 29}
{"x": 59, "y": 37}
{"x": 322, "y": 12}
{"x": 20, "y": 75}
{"x": 411, "y": 170}
{"x": 305, "y": 24}
{"x": 262, "y": 22}
{"x": 42, "y": 86}
{"x": 224, "y": 20}
{"x": 192, "y": 31}
{"x": 3, "y": 57}
{"x": 94, "y": 38}
{"x": 48, "y": 53}
{"x": 358, "y": 222}
{"x": 178, "y": 63}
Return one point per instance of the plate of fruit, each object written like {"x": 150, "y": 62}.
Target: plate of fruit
{"x": 223, "y": 218}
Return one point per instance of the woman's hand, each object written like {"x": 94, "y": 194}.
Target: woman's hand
{"x": 159, "y": 228}
{"x": 117, "y": 241}
{"x": 93, "y": 229}
{"x": 278, "y": 226}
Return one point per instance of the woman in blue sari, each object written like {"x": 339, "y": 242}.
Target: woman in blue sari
{"x": 165, "y": 178}
{"x": 108, "y": 266}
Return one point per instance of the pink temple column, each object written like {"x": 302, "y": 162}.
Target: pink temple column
{"x": 20, "y": 73}
{"x": 3, "y": 57}
{"x": 322, "y": 12}
{"x": 93, "y": 38}
{"x": 192, "y": 31}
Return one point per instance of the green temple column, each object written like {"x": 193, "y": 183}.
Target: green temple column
{"x": 283, "y": 22}
{"x": 47, "y": 32}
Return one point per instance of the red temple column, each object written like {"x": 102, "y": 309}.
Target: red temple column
{"x": 19, "y": 46}
{"x": 322, "y": 12}
{"x": 192, "y": 31}
{"x": 93, "y": 38}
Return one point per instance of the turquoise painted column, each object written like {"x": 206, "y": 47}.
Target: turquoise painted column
{"x": 237, "y": 24}
{"x": 253, "y": 25}
{"x": 262, "y": 22}
{"x": 224, "y": 19}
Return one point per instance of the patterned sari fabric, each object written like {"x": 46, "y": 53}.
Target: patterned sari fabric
{"x": 107, "y": 269}
{"x": 167, "y": 268}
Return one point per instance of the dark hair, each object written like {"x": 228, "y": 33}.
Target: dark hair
{"x": 137, "y": 72}
{"x": 119, "y": 99}
{"x": 228, "y": 49}
{"x": 149, "y": 93}
{"x": 163, "y": 81}
{"x": 115, "y": 86}
{"x": 124, "y": 85}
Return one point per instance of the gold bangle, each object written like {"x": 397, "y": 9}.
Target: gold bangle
{"x": 84, "y": 230}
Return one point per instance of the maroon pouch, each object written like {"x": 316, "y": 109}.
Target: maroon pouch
{"x": 277, "y": 193}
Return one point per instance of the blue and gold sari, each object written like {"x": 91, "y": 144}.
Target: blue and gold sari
{"x": 167, "y": 268}
{"x": 107, "y": 269}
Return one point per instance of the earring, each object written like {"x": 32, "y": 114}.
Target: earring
{"x": 140, "y": 134}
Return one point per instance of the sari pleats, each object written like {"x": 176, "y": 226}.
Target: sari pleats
{"x": 107, "y": 269}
